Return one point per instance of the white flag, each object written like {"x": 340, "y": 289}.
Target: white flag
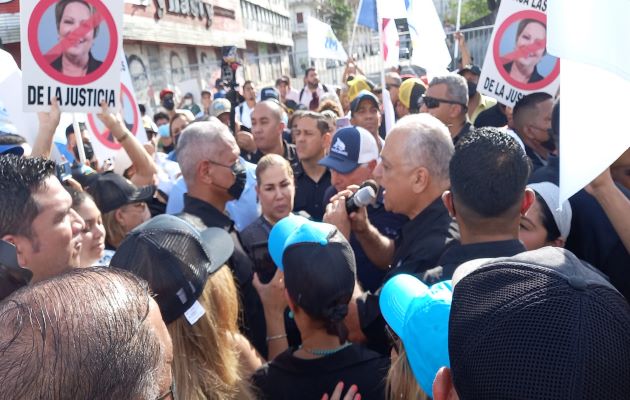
{"x": 322, "y": 42}
{"x": 427, "y": 37}
{"x": 591, "y": 39}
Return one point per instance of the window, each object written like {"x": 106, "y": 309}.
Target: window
{"x": 300, "y": 18}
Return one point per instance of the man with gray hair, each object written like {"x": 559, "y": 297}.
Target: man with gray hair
{"x": 447, "y": 100}
{"x": 413, "y": 171}
{"x": 91, "y": 333}
{"x": 209, "y": 159}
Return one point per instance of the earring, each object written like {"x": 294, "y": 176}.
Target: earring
{"x": 291, "y": 315}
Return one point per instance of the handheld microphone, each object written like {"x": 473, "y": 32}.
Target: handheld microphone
{"x": 362, "y": 197}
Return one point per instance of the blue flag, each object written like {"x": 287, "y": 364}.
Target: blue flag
{"x": 367, "y": 14}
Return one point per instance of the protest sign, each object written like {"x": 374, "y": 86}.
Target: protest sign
{"x": 517, "y": 62}
{"x": 105, "y": 146}
{"x": 322, "y": 42}
{"x": 69, "y": 50}
{"x": 26, "y": 124}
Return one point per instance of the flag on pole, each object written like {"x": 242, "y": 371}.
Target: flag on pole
{"x": 322, "y": 42}
{"x": 391, "y": 43}
{"x": 366, "y": 16}
{"x": 427, "y": 37}
{"x": 590, "y": 37}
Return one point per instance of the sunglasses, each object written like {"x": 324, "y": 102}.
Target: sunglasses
{"x": 432, "y": 102}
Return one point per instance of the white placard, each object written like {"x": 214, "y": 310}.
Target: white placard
{"x": 73, "y": 56}
{"x": 517, "y": 62}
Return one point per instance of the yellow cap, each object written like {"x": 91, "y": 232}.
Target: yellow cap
{"x": 407, "y": 88}
{"x": 358, "y": 84}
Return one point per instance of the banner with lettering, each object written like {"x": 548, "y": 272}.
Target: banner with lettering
{"x": 517, "y": 62}
{"x": 70, "y": 50}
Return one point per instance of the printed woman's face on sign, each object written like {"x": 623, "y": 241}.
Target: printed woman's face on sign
{"x": 73, "y": 15}
{"x": 533, "y": 32}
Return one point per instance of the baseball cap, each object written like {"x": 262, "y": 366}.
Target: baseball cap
{"x": 15, "y": 149}
{"x": 269, "y": 93}
{"x": 176, "y": 259}
{"x": 551, "y": 195}
{"x": 318, "y": 264}
{"x": 111, "y": 191}
{"x": 410, "y": 92}
{"x": 364, "y": 94}
{"x": 357, "y": 85}
{"x": 419, "y": 316}
{"x": 470, "y": 68}
{"x": 350, "y": 147}
{"x": 541, "y": 324}
{"x": 220, "y": 106}
{"x": 164, "y": 92}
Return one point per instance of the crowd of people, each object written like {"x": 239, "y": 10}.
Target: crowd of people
{"x": 290, "y": 247}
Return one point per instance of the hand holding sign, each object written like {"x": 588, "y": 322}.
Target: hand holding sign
{"x": 48, "y": 121}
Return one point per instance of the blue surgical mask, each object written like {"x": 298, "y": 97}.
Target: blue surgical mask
{"x": 164, "y": 131}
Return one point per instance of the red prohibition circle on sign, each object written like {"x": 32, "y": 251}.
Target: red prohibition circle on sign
{"x": 33, "y": 43}
{"x": 528, "y": 14}
{"x": 104, "y": 137}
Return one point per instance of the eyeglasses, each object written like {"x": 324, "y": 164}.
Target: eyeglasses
{"x": 432, "y": 102}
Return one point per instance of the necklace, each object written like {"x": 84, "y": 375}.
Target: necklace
{"x": 325, "y": 352}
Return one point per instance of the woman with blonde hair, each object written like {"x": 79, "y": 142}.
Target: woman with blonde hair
{"x": 199, "y": 304}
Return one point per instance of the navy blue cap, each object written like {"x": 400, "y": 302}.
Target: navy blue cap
{"x": 269, "y": 93}
{"x": 350, "y": 147}
{"x": 11, "y": 149}
{"x": 364, "y": 94}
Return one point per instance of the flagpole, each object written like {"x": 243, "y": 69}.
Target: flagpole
{"x": 354, "y": 28}
{"x": 457, "y": 24}
{"x": 381, "y": 44}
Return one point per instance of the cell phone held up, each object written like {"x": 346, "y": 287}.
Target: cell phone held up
{"x": 263, "y": 264}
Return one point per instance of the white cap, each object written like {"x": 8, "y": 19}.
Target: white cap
{"x": 551, "y": 194}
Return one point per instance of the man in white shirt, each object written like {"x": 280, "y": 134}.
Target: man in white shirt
{"x": 312, "y": 91}
{"x": 244, "y": 110}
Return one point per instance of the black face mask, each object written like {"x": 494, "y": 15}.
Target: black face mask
{"x": 240, "y": 175}
{"x": 169, "y": 148}
{"x": 87, "y": 148}
{"x": 472, "y": 89}
{"x": 168, "y": 103}
{"x": 549, "y": 144}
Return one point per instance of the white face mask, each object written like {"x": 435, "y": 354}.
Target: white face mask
{"x": 188, "y": 102}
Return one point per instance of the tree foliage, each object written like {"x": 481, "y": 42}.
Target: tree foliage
{"x": 472, "y": 10}
{"x": 339, "y": 14}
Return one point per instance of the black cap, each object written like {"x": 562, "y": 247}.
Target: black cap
{"x": 542, "y": 324}
{"x": 175, "y": 258}
{"x": 111, "y": 191}
{"x": 470, "y": 68}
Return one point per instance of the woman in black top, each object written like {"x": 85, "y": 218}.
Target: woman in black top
{"x": 319, "y": 277}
